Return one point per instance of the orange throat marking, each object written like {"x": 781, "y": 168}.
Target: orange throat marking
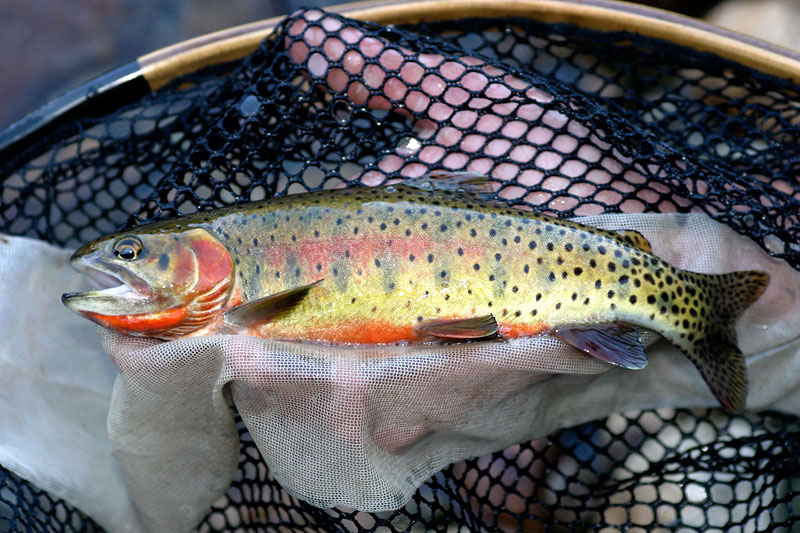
{"x": 145, "y": 323}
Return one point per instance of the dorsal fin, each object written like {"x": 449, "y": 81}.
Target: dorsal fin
{"x": 463, "y": 182}
{"x": 267, "y": 308}
{"x": 636, "y": 239}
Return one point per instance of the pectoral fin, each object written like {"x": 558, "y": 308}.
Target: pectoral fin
{"x": 614, "y": 343}
{"x": 267, "y": 308}
{"x": 479, "y": 327}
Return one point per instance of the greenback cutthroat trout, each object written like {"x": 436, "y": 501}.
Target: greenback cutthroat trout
{"x": 420, "y": 261}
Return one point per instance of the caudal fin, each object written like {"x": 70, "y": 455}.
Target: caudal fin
{"x": 711, "y": 346}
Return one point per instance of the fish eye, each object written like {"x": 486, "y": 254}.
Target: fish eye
{"x": 128, "y": 248}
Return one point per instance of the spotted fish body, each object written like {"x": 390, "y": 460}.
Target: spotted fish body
{"x": 400, "y": 263}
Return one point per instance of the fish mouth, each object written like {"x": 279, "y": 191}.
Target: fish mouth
{"x": 117, "y": 290}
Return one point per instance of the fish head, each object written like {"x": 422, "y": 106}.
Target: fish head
{"x": 163, "y": 283}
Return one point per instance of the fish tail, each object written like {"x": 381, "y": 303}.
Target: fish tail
{"x": 710, "y": 340}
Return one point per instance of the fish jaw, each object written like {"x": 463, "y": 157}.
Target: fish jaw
{"x": 117, "y": 290}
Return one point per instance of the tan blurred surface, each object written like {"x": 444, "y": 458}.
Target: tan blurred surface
{"x": 775, "y": 21}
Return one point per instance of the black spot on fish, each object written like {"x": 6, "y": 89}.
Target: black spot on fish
{"x": 460, "y": 251}
{"x": 411, "y": 258}
{"x": 377, "y": 263}
{"x": 163, "y": 262}
{"x": 476, "y": 267}
{"x": 601, "y": 250}
{"x": 550, "y": 246}
{"x": 526, "y": 269}
{"x": 430, "y": 258}
{"x": 552, "y": 276}
{"x": 255, "y": 242}
{"x": 623, "y": 280}
{"x": 577, "y": 271}
{"x": 632, "y": 299}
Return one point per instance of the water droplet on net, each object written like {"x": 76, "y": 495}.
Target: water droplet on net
{"x": 249, "y": 105}
{"x": 774, "y": 244}
{"x": 408, "y": 146}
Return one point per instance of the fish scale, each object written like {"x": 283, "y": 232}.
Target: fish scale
{"x": 419, "y": 261}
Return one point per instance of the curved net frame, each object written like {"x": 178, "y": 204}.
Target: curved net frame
{"x": 564, "y": 120}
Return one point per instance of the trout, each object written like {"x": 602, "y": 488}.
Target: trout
{"x": 426, "y": 260}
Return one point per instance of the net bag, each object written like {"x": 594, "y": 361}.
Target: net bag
{"x": 693, "y": 151}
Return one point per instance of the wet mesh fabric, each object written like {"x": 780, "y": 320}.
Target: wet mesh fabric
{"x": 567, "y": 121}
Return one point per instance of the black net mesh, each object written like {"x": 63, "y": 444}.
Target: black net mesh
{"x": 564, "y": 120}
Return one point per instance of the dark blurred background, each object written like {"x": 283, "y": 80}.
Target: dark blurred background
{"x": 50, "y": 46}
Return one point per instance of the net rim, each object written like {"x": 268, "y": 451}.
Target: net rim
{"x": 162, "y": 66}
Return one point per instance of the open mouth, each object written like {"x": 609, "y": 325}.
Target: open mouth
{"x": 117, "y": 291}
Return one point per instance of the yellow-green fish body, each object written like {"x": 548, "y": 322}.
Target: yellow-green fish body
{"x": 428, "y": 260}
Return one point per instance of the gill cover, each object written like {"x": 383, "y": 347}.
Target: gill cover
{"x": 164, "y": 284}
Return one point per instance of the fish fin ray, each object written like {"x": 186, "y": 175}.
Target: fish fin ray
{"x": 636, "y": 239}
{"x": 479, "y": 327}
{"x": 461, "y": 182}
{"x": 267, "y": 308}
{"x": 614, "y": 343}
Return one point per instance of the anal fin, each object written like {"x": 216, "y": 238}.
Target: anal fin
{"x": 267, "y": 308}
{"x": 479, "y": 327}
{"x": 618, "y": 344}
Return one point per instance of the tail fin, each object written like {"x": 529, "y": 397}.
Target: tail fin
{"x": 711, "y": 344}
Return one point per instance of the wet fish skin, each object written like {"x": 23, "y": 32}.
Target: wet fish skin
{"x": 378, "y": 265}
